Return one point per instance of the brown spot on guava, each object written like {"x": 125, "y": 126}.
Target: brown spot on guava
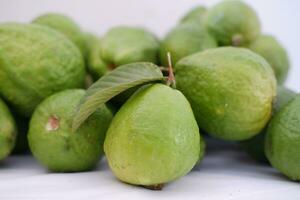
{"x": 52, "y": 124}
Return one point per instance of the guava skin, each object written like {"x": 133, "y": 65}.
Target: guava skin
{"x": 255, "y": 146}
{"x": 184, "y": 40}
{"x": 271, "y": 49}
{"x": 8, "y": 131}
{"x": 231, "y": 91}
{"x": 123, "y": 45}
{"x": 64, "y": 25}
{"x": 154, "y": 138}
{"x": 52, "y": 141}
{"x": 282, "y": 145}
{"x": 196, "y": 15}
{"x": 233, "y": 23}
{"x": 35, "y": 62}
{"x": 94, "y": 63}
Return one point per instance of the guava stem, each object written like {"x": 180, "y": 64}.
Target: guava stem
{"x": 171, "y": 78}
{"x": 111, "y": 66}
{"x": 154, "y": 187}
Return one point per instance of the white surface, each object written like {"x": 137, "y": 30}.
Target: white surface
{"x": 224, "y": 174}
{"x": 279, "y": 18}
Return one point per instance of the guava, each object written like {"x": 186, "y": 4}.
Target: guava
{"x": 64, "y": 25}
{"x": 154, "y": 138}
{"x": 35, "y": 62}
{"x": 271, "y": 49}
{"x": 282, "y": 145}
{"x": 55, "y": 145}
{"x": 122, "y": 45}
{"x": 195, "y": 15}
{"x": 8, "y": 131}
{"x": 255, "y": 146}
{"x": 231, "y": 91}
{"x": 233, "y": 23}
{"x": 184, "y": 40}
{"x": 95, "y": 65}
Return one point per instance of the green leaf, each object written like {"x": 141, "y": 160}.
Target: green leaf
{"x": 112, "y": 84}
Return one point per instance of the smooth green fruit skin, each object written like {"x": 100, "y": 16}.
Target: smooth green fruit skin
{"x": 8, "y": 131}
{"x": 64, "y": 25}
{"x": 52, "y": 141}
{"x": 35, "y": 62}
{"x": 196, "y": 15}
{"x": 184, "y": 40}
{"x": 94, "y": 63}
{"x": 233, "y": 23}
{"x": 255, "y": 146}
{"x": 153, "y": 138}
{"x": 283, "y": 140}
{"x": 268, "y": 47}
{"x": 122, "y": 45}
{"x": 231, "y": 91}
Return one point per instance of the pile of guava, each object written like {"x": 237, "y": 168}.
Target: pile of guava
{"x": 148, "y": 104}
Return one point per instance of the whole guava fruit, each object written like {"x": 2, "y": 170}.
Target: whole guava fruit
{"x": 231, "y": 91}
{"x": 233, "y": 23}
{"x": 268, "y": 47}
{"x": 184, "y": 40}
{"x": 64, "y": 25}
{"x": 154, "y": 138}
{"x": 255, "y": 146}
{"x": 123, "y": 45}
{"x": 8, "y": 131}
{"x": 35, "y": 62}
{"x": 55, "y": 145}
{"x": 95, "y": 65}
{"x": 195, "y": 15}
{"x": 282, "y": 144}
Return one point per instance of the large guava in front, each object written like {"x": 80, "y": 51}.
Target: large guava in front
{"x": 55, "y": 145}
{"x": 35, "y": 62}
{"x": 154, "y": 138}
{"x": 231, "y": 91}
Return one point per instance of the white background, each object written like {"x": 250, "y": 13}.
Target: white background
{"x": 278, "y": 17}
{"x": 224, "y": 173}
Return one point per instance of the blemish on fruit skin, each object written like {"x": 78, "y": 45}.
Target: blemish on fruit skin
{"x": 53, "y": 123}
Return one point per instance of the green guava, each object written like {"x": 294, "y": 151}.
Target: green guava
{"x": 8, "y": 131}
{"x": 184, "y": 40}
{"x": 196, "y": 15}
{"x": 154, "y": 138}
{"x": 233, "y": 23}
{"x": 122, "y": 45}
{"x": 255, "y": 146}
{"x": 52, "y": 141}
{"x": 64, "y": 25}
{"x": 35, "y": 62}
{"x": 282, "y": 144}
{"x": 271, "y": 49}
{"x": 95, "y": 65}
{"x": 231, "y": 91}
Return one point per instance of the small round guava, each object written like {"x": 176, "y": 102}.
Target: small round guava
{"x": 154, "y": 138}
{"x": 184, "y": 40}
{"x": 233, "y": 22}
{"x": 35, "y": 62}
{"x": 95, "y": 65}
{"x": 231, "y": 91}
{"x": 123, "y": 45}
{"x": 282, "y": 144}
{"x": 255, "y": 146}
{"x": 64, "y": 25}
{"x": 271, "y": 49}
{"x": 8, "y": 131}
{"x": 55, "y": 145}
{"x": 195, "y": 15}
